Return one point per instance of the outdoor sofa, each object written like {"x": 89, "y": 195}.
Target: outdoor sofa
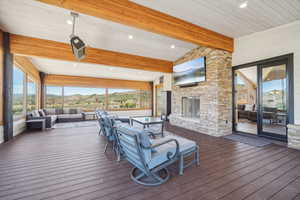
{"x": 53, "y": 116}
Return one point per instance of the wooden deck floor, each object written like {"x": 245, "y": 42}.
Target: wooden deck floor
{"x": 69, "y": 164}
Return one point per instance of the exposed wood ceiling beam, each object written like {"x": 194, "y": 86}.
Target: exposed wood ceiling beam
{"x": 132, "y": 14}
{"x": 246, "y": 79}
{"x": 27, "y": 66}
{"x": 29, "y": 46}
{"x": 62, "y": 80}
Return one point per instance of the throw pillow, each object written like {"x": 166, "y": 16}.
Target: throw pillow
{"x": 42, "y": 113}
{"x": 249, "y": 107}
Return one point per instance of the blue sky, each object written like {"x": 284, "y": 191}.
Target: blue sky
{"x": 196, "y": 63}
{"x": 18, "y": 81}
{"x": 274, "y": 85}
{"x": 31, "y": 87}
{"x": 81, "y": 90}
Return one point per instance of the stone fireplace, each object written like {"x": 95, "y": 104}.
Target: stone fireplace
{"x": 213, "y": 98}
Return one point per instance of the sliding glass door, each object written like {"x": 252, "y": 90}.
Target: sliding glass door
{"x": 263, "y": 97}
{"x": 273, "y": 100}
{"x": 245, "y": 81}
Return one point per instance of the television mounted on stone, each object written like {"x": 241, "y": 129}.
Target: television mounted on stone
{"x": 190, "y": 72}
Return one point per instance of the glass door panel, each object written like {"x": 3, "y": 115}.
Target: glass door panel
{"x": 245, "y": 85}
{"x": 274, "y": 100}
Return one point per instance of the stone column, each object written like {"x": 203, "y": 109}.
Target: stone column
{"x": 294, "y": 136}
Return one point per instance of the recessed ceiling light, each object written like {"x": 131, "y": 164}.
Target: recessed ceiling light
{"x": 69, "y": 22}
{"x": 244, "y": 4}
{"x": 130, "y": 37}
{"x": 172, "y": 46}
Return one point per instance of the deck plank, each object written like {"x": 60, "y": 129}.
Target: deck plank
{"x": 69, "y": 163}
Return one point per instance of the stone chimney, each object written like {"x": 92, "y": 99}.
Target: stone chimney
{"x": 294, "y": 136}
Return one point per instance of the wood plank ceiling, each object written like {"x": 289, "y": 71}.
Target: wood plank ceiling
{"x": 132, "y": 14}
{"x": 227, "y": 17}
{"x": 40, "y": 20}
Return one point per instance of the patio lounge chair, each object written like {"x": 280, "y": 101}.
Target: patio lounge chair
{"x": 99, "y": 114}
{"x": 151, "y": 157}
{"x": 138, "y": 149}
{"x": 108, "y": 125}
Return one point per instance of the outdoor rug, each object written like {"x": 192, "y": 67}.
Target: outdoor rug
{"x": 252, "y": 141}
{"x": 75, "y": 124}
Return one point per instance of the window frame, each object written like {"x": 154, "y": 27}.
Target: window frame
{"x": 28, "y": 77}
{"x": 24, "y": 95}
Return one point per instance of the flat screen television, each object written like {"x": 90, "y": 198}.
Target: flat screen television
{"x": 190, "y": 72}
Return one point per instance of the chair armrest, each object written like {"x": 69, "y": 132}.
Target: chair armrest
{"x": 166, "y": 142}
{"x": 47, "y": 120}
{"x": 150, "y": 133}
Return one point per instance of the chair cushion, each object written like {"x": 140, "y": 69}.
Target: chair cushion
{"x": 241, "y": 107}
{"x": 50, "y": 111}
{"x": 160, "y": 156}
{"x": 249, "y": 107}
{"x": 42, "y": 113}
{"x": 66, "y": 111}
{"x": 35, "y": 113}
{"x": 53, "y": 118}
{"x": 143, "y": 138}
{"x": 73, "y": 111}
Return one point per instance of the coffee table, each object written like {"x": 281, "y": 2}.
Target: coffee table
{"x": 147, "y": 121}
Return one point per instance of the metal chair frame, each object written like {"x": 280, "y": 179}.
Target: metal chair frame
{"x": 140, "y": 172}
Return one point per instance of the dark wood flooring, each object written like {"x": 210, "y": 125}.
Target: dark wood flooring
{"x": 69, "y": 163}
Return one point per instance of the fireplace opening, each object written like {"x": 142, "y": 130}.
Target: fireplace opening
{"x": 191, "y": 107}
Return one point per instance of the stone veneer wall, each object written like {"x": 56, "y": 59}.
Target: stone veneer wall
{"x": 215, "y": 94}
{"x": 294, "y": 136}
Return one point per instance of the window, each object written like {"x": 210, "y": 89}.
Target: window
{"x": 128, "y": 99}
{"x": 18, "y": 91}
{"x": 54, "y": 97}
{"x": 88, "y": 99}
{"x": 31, "y": 95}
{"x": 123, "y": 99}
{"x": 146, "y": 99}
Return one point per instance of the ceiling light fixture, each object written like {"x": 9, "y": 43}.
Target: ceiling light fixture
{"x": 244, "y": 4}
{"x": 78, "y": 46}
{"x": 130, "y": 37}
{"x": 172, "y": 46}
{"x": 69, "y": 22}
